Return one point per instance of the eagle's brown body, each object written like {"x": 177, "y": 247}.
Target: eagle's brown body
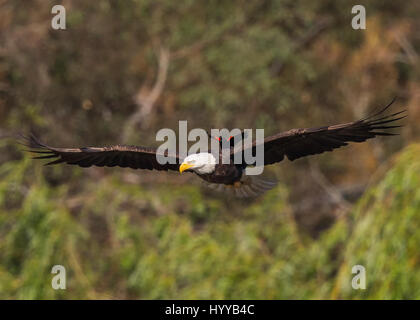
{"x": 224, "y": 173}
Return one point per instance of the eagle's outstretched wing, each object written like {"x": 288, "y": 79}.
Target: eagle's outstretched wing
{"x": 297, "y": 143}
{"x": 119, "y": 155}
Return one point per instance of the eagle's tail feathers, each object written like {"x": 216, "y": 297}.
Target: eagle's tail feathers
{"x": 248, "y": 186}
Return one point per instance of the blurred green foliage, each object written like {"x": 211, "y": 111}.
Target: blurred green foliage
{"x": 111, "y": 250}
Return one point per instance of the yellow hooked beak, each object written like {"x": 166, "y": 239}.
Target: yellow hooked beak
{"x": 184, "y": 166}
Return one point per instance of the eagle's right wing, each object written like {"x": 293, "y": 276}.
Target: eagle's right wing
{"x": 119, "y": 155}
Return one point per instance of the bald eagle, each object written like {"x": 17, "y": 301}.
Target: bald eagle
{"x": 293, "y": 144}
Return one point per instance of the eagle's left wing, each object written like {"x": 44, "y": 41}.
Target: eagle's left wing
{"x": 119, "y": 155}
{"x": 297, "y": 143}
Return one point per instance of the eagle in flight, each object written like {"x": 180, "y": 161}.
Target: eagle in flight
{"x": 293, "y": 144}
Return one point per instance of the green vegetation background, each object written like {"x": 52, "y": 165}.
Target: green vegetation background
{"x": 124, "y": 69}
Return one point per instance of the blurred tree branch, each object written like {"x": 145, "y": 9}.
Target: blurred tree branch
{"x": 410, "y": 55}
{"x": 146, "y": 99}
{"x": 330, "y": 189}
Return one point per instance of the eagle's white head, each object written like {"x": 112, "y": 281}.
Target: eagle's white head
{"x": 201, "y": 163}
